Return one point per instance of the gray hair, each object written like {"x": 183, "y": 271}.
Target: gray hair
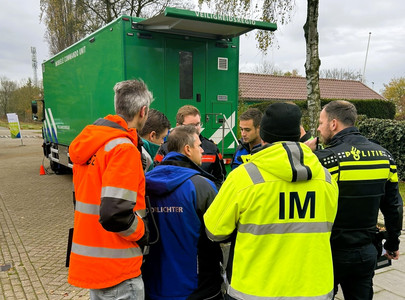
{"x": 181, "y": 136}
{"x": 130, "y": 97}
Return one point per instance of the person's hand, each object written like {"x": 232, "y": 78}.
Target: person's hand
{"x": 392, "y": 254}
{"x": 312, "y": 143}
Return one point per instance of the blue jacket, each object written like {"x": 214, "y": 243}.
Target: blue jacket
{"x": 184, "y": 263}
{"x": 242, "y": 149}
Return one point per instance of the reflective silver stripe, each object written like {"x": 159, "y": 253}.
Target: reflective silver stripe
{"x": 239, "y": 295}
{"x": 108, "y": 123}
{"x": 131, "y": 229}
{"x": 111, "y": 144}
{"x": 302, "y": 171}
{"x": 105, "y": 252}
{"x": 141, "y": 213}
{"x": 301, "y": 227}
{"x": 254, "y": 173}
{"x": 328, "y": 177}
{"x": 120, "y": 193}
{"x": 85, "y": 208}
{"x": 216, "y": 238}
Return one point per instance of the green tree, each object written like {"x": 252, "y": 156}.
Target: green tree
{"x": 279, "y": 11}
{"x": 7, "y": 89}
{"x": 21, "y": 100}
{"x": 395, "y": 91}
{"x": 293, "y": 73}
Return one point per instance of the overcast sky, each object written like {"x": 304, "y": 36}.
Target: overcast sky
{"x": 343, "y": 27}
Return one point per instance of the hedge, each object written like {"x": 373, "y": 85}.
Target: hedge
{"x": 375, "y": 121}
{"x": 373, "y": 108}
{"x": 391, "y": 135}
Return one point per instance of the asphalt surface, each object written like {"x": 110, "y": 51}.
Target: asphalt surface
{"x": 36, "y": 212}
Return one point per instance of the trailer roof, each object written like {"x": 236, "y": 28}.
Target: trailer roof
{"x": 201, "y": 24}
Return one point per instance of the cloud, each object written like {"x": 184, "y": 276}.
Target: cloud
{"x": 343, "y": 28}
{"x": 20, "y": 30}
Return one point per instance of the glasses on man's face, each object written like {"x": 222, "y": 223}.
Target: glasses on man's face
{"x": 198, "y": 124}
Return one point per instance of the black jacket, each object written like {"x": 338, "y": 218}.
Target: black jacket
{"x": 367, "y": 177}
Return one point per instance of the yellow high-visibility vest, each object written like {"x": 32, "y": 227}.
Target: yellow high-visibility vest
{"x": 282, "y": 203}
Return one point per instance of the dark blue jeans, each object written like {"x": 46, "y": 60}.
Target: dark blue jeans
{"x": 354, "y": 271}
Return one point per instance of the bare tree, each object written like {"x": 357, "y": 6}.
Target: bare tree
{"x": 312, "y": 64}
{"x": 21, "y": 100}
{"x": 280, "y": 12}
{"x": 68, "y": 21}
{"x": 65, "y": 21}
{"x": 266, "y": 67}
{"x": 341, "y": 74}
{"x": 7, "y": 89}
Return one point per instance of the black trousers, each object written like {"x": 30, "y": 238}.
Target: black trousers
{"x": 354, "y": 271}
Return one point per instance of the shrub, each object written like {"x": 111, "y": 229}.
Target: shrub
{"x": 391, "y": 135}
{"x": 375, "y": 121}
{"x": 373, "y": 108}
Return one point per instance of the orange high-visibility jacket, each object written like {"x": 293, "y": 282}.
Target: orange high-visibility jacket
{"x": 109, "y": 186}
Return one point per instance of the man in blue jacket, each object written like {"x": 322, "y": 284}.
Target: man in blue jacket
{"x": 184, "y": 263}
{"x": 249, "y": 124}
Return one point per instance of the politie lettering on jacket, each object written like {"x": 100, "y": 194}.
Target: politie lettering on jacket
{"x": 295, "y": 205}
{"x": 166, "y": 209}
{"x": 356, "y": 154}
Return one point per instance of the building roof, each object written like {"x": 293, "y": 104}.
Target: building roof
{"x": 270, "y": 87}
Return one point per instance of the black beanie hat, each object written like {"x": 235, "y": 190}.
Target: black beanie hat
{"x": 281, "y": 122}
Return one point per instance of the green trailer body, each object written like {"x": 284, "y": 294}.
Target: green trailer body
{"x": 185, "y": 57}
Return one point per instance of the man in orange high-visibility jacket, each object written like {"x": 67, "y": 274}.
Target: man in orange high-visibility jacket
{"x": 109, "y": 186}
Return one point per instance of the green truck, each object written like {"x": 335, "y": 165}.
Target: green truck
{"x": 185, "y": 57}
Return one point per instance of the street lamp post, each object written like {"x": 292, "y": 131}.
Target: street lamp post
{"x": 365, "y": 61}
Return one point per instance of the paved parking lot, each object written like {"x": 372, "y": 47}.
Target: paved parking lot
{"x": 36, "y": 213}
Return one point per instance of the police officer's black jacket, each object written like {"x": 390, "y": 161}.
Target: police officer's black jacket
{"x": 367, "y": 177}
